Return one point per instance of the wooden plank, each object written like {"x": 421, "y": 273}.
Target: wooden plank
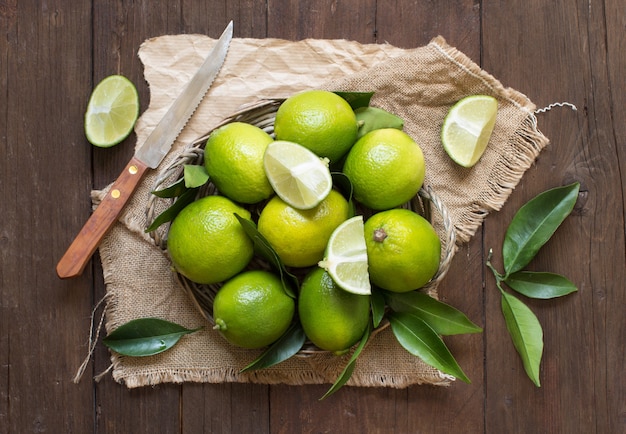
{"x": 563, "y": 58}
{"x": 43, "y": 160}
{"x": 327, "y": 19}
{"x": 119, "y": 29}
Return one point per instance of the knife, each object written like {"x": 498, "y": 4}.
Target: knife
{"x": 148, "y": 156}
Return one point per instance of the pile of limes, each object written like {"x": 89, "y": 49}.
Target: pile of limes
{"x": 283, "y": 184}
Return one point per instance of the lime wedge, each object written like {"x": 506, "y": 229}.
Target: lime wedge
{"x": 346, "y": 257}
{"x": 112, "y": 111}
{"x": 297, "y": 175}
{"x": 467, "y": 128}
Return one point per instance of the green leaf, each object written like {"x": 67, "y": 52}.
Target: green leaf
{"x": 356, "y": 99}
{"x": 265, "y": 250}
{"x": 419, "y": 339}
{"x": 377, "y": 301}
{"x": 443, "y": 318}
{"x": 534, "y": 224}
{"x": 145, "y": 337}
{"x": 170, "y": 213}
{"x": 526, "y": 334}
{"x": 286, "y": 346}
{"x": 540, "y": 284}
{"x": 344, "y": 185}
{"x": 172, "y": 191}
{"x": 349, "y": 369}
{"x": 195, "y": 175}
{"x": 374, "y": 118}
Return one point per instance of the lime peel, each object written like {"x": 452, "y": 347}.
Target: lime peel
{"x": 346, "y": 257}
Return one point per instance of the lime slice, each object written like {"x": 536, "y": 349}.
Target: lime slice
{"x": 297, "y": 175}
{"x": 346, "y": 257}
{"x": 467, "y": 128}
{"x": 112, "y": 111}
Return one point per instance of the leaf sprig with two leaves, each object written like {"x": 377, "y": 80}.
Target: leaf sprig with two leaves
{"x": 532, "y": 226}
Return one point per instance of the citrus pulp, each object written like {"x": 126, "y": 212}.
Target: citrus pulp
{"x": 112, "y": 111}
{"x": 346, "y": 257}
{"x": 467, "y": 128}
{"x": 298, "y": 176}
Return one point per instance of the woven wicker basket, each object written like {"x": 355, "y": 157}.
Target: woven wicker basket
{"x": 262, "y": 115}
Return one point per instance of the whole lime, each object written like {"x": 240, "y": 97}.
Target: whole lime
{"x": 403, "y": 250}
{"x": 206, "y": 242}
{"x": 233, "y": 157}
{"x": 299, "y": 237}
{"x": 319, "y": 120}
{"x": 333, "y": 319}
{"x": 252, "y": 309}
{"x": 386, "y": 168}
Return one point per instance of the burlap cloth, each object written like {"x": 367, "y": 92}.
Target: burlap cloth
{"x": 418, "y": 85}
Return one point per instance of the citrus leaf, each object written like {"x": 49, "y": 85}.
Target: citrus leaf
{"x": 443, "y": 318}
{"x": 286, "y": 346}
{"x": 145, "y": 337}
{"x": 172, "y": 191}
{"x": 170, "y": 213}
{"x": 540, "y": 284}
{"x": 374, "y": 118}
{"x": 526, "y": 333}
{"x": 377, "y": 301}
{"x": 356, "y": 99}
{"x": 349, "y": 369}
{"x": 534, "y": 224}
{"x": 195, "y": 175}
{"x": 344, "y": 185}
{"x": 419, "y": 339}
{"x": 264, "y": 249}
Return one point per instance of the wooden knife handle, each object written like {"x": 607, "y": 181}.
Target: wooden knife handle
{"x": 101, "y": 220}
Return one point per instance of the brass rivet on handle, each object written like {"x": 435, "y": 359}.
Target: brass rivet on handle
{"x": 132, "y": 169}
{"x": 115, "y": 193}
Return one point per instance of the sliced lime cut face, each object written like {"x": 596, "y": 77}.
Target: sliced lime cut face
{"x": 112, "y": 111}
{"x": 467, "y": 128}
{"x": 297, "y": 175}
{"x": 346, "y": 257}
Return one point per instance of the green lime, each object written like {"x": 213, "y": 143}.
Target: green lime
{"x": 112, "y": 111}
{"x": 333, "y": 319}
{"x": 233, "y": 157}
{"x": 298, "y": 176}
{"x": 319, "y": 120}
{"x": 467, "y": 128}
{"x": 403, "y": 250}
{"x": 386, "y": 168}
{"x": 206, "y": 242}
{"x": 252, "y": 310}
{"x": 346, "y": 257}
{"x": 299, "y": 237}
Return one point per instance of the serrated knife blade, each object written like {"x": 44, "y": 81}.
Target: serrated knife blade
{"x": 148, "y": 156}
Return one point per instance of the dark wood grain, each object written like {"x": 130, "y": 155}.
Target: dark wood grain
{"x": 52, "y": 54}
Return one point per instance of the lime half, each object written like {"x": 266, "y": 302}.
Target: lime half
{"x": 346, "y": 257}
{"x": 297, "y": 175}
{"x": 112, "y": 111}
{"x": 467, "y": 128}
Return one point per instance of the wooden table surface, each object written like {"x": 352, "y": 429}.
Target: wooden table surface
{"x": 53, "y": 52}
